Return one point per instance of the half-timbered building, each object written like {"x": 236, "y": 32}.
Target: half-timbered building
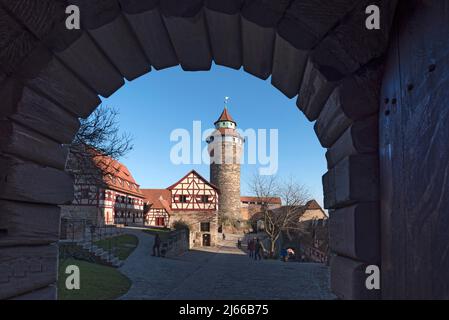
{"x": 192, "y": 200}
{"x": 105, "y": 195}
{"x": 192, "y": 193}
{"x": 158, "y": 208}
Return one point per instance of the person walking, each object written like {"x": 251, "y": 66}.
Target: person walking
{"x": 157, "y": 245}
{"x": 284, "y": 254}
{"x": 258, "y": 250}
{"x": 251, "y": 246}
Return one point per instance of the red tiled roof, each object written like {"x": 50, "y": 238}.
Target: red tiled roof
{"x": 158, "y": 198}
{"x": 225, "y": 116}
{"x": 117, "y": 176}
{"x": 274, "y": 200}
{"x": 310, "y": 205}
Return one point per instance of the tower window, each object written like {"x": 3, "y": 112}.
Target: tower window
{"x": 204, "y": 199}
{"x": 183, "y": 198}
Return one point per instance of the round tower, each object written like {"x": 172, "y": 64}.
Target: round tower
{"x": 225, "y": 149}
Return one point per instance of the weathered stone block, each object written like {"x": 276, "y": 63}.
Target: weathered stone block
{"x": 314, "y": 91}
{"x": 355, "y": 232}
{"x": 28, "y": 224}
{"x": 34, "y": 111}
{"x": 191, "y": 41}
{"x": 225, "y": 37}
{"x": 121, "y": 46}
{"x": 18, "y": 140}
{"x": 28, "y": 268}
{"x": 153, "y": 36}
{"x": 362, "y": 137}
{"x": 29, "y": 182}
{"x": 288, "y": 67}
{"x": 348, "y": 280}
{"x": 353, "y": 179}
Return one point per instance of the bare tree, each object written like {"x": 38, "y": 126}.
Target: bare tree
{"x": 96, "y": 145}
{"x": 293, "y": 195}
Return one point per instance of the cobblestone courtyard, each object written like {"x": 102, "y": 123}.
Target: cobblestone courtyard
{"x": 220, "y": 273}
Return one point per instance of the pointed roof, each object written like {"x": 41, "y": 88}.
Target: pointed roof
{"x": 199, "y": 176}
{"x": 225, "y": 116}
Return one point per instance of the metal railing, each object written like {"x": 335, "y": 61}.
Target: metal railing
{"x": 78, "y": 232}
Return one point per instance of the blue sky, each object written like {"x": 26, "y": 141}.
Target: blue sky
{"x": 152, "y": 106}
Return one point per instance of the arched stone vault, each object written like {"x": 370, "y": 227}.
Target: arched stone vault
{"x": 50, "y": 76}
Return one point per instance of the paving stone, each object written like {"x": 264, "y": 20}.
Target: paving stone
{"x": 220, "y": 273}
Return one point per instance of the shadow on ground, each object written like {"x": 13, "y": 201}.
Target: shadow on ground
{"x": 220, "y": 273}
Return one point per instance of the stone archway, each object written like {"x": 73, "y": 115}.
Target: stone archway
{"x": 51, "y": 76}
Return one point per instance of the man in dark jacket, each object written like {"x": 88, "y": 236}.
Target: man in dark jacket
{"x": 258, "y": 250}
{"x": 157, "y": 245}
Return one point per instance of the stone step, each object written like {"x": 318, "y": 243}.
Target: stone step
{"x": 98, "y": 252}
{"x": 102, "y": 254}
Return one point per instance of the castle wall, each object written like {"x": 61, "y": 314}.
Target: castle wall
{"x": 80, "y": 212}
{"x": 194, "y": 219}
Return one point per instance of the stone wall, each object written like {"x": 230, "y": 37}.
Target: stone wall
{"x": 227, "y": 178}
{"x": 193, "y": 220}
{"x": 74, "y": 229}
{"x": 177, "y": 243}
{"x": 90, "y": 213}
{"x": 249, "y": 210}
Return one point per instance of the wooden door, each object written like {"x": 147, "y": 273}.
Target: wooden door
{"x": 414, "y": 154}
{"x": 206, "y": 240}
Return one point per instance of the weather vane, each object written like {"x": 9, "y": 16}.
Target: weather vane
{"x": 226, "y": 101}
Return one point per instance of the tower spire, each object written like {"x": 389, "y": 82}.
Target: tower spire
{"x": 225, "y": 120}
{"x": 226, "y": 101}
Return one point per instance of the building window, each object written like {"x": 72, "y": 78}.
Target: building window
{"x": 204, "y": 199}
{"x": 205, "y": 226}
{"x": 160, "y": 221}
{"x": 183, "y": 198}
